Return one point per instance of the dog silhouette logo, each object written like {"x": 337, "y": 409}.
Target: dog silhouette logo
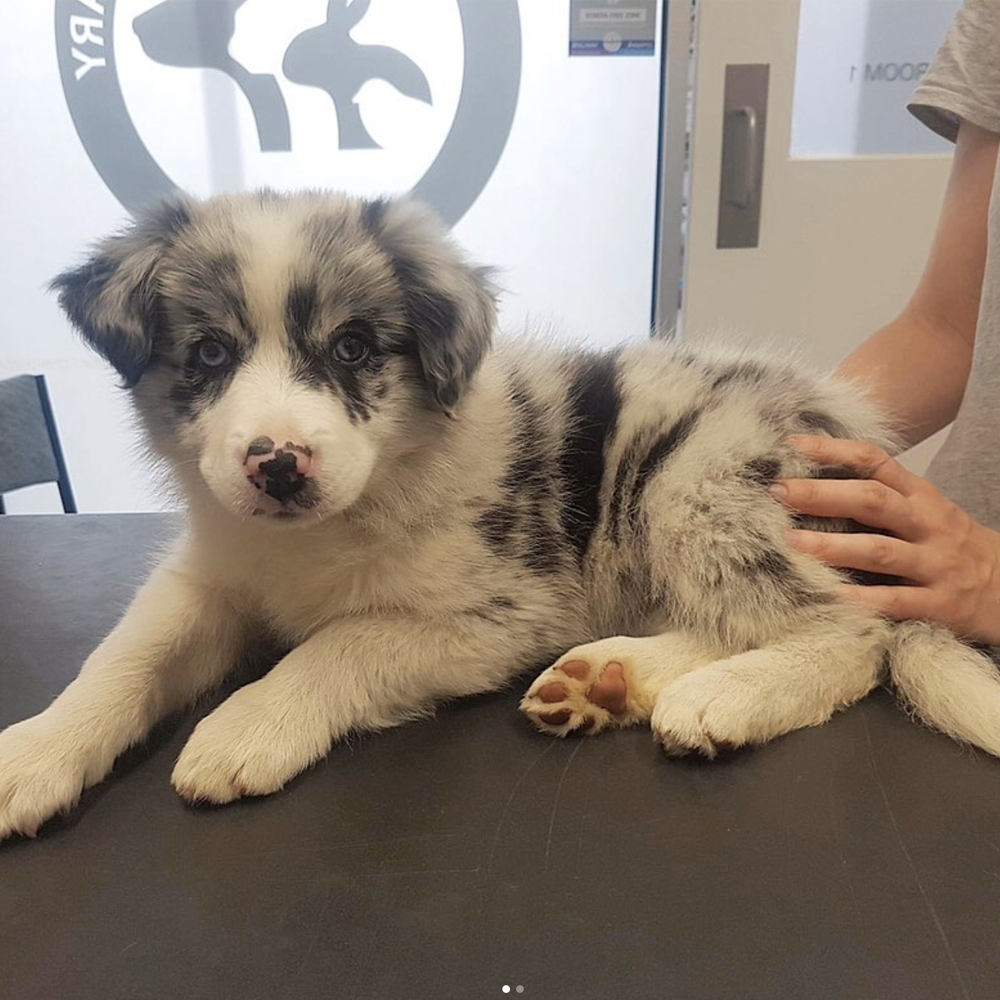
{"x": 196, "y": 35}
{"x": 325, "y": 56}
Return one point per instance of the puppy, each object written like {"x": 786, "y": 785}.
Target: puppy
{"x": 419, "y": 517}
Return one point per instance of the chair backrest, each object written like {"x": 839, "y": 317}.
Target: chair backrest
{"x": 29, "y": 443}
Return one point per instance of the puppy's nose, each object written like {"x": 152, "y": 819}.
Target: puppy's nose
{"x": 279, "y": 471}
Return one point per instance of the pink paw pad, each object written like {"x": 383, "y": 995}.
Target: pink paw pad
{"x": 610, "y": 692}
{"x": 579, "y": 670}
{"x": 571, "y": 706}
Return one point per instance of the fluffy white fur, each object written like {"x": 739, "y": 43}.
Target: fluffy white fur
{"x": 436, "y": 558}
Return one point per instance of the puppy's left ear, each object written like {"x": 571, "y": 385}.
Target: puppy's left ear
{"x": 113, "y": 297}
{"x": 450, "y": 304}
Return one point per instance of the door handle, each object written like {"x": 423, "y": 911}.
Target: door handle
{"x": 742, "y": 181}
{"x": 744, "y": 119}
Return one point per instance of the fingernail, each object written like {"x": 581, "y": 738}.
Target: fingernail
{"x": 779, "y": 490}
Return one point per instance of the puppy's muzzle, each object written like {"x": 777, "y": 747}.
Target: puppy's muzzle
{"x": 281, "y": 472}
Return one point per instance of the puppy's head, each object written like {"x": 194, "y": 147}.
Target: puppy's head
{"x": 290, "y": 348}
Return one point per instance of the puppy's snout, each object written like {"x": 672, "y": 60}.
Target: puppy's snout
{"x": 280, "y": 471}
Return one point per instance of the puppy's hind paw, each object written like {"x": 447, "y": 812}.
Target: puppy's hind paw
{"x": 589, "y": 689}
{"x": 706, "y": 712}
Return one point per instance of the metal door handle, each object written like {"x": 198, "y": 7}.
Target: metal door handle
{"x": 744, "y": 183}
{"x": 744, "y": 119}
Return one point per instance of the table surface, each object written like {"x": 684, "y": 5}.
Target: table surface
{"x": 454, "y": 856}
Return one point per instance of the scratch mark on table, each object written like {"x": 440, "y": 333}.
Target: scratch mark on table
{"x": 306, "y": 850}
{"x": 421, "y": 871}
{"x": 510, "y": 799}
{"x": 913, "y": 868}
{"x": 368, "y": 951}
{"x": 845, "y": 867}
{"x": 319, "y": 927}
{"x": 555, "y": 804}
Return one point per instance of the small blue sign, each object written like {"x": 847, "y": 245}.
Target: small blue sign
{"x": 612, "y": 28}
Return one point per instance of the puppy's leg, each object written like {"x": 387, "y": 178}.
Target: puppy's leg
{"x": 177, "y": 640}
{"x": 610, "y": 683}
{"x": 832, "y": 659}
{"x": 718, "y": 563}
{"x": 356, "y": 674}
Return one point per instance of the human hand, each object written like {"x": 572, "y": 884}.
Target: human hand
{"x": 949, "y": 562}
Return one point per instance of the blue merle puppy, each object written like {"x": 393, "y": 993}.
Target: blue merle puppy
{"x": 420, "y": 515}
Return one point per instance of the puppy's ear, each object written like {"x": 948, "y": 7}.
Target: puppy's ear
{"x": 450, "y": 304}
{"x": 113, "y": 298}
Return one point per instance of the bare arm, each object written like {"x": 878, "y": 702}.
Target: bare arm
{"x": 917, "y": 365}
{"x": 917, "y": 368}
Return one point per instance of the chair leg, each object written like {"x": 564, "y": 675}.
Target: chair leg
{"x": 65, "y": 490}
{"x": 66, "y": 494}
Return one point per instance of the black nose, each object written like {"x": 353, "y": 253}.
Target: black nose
{"x": 281, "y": 473}
{"x": 281, "y": 478}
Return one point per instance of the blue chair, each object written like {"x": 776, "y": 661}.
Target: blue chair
{"x": 29, "y": 443}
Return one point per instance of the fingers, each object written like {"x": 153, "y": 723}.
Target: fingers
{"x": 870, "y": 502}
{"x": 874, "y": 553}
{"x": 939, "y": 554}
{"x": 898, "y": 603}
{"x": 869, "y": 461}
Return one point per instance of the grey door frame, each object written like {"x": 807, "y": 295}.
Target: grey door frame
{"x": 676, "y": 39}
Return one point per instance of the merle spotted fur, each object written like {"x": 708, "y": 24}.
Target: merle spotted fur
{"x": 467, "y": 511}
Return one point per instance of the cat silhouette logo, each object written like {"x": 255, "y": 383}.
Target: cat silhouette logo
{"x": 370, "y": 96}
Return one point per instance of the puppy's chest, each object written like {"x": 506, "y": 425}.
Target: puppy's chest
{"x": 300, "y": 590}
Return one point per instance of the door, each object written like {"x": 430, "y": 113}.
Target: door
{"x": 850, "y": 183}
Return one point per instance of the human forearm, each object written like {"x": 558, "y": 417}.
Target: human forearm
{"x": 916, "y": 371}
{"x": 917, "y": 366}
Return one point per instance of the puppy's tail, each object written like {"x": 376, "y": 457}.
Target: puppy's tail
{"x": 948, "y": 685}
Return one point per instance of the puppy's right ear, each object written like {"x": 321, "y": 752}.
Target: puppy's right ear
{"x": 113, "y": 298}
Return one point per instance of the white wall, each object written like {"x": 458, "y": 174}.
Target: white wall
{"x": 568, "y": 214}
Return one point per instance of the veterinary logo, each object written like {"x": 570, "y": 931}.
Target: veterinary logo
{"x": 156, "y": 92}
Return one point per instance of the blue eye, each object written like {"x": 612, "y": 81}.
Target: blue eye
{"x": 212, "y": 354}
{"x": 350, "y": 350}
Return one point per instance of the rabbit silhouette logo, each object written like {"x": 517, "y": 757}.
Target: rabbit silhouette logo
{"x": 301, "y": 75}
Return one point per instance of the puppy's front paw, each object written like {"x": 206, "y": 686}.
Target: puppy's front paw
{"x": 43, "y": 771}
{"x": 242, "y": 749}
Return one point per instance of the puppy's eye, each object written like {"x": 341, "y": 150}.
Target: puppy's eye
{"x": 350, "y": 350}
{"x": 212, "y": 354}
